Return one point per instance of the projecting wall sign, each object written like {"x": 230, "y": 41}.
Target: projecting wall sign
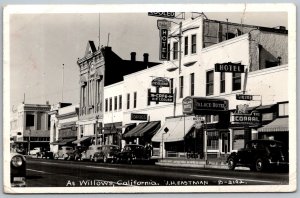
{"x": 230, "y": 67}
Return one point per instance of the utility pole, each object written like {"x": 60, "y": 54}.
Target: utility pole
{"x": 62, "y": 90}
{"x": 180, "y": 35}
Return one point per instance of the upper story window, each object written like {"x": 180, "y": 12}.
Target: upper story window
{"x": 283, "y": 109}
{"x": 134, "y": 99}
{"x": 120, "y": 101}
{"x": 236, "y": 81}
{"x": 181, "y": 87}
{"x": 110, "y": 104}
{"x": 128, "y": 101}
{"x": 192, "y": 84}
{"x": 209, "y": 82}
{"x": 29, "y": 120}
{"x": 116, "y": 103}
{"x": 222, "y": 82}
{"x": 171, "y": 85}
{"x": 194, "y": 44}
{"x": 148, "y": 101}
{"x": 106, "y": 105}
{"x": 175, "y": 50}
{"x": 186, "y": 45}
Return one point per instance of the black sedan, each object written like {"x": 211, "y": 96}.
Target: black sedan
{"x": 260, "y": 155}
{"x": 131, "y": 153}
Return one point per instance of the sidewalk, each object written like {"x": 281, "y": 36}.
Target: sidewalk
{"x": 195, "y": 163}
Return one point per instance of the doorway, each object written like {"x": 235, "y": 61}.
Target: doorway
{"x": 225, "y": 142}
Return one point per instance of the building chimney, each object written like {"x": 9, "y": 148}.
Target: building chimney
{"x": 146, "y": 58}
{"x": 133, "y": 55}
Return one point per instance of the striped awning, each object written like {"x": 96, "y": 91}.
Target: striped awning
{"x": 278, "y": 125}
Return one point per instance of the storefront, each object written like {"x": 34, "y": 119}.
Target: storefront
{"x": 112, "y": 133}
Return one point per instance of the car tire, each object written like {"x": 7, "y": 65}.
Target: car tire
{"x": 259, "y": 165}
{"x": 231, "y": 163}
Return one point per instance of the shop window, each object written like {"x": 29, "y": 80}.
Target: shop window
{"x": 106, "y": 105}
{"x": 29, "y": 120}
{"x": 236, "y": 81}
{"x": 212, "y": 140}
{"x": 192, "y": 84}
{"x": 181, "y": 87}
{"x": 120, "y": 101}
{"x": 110, "y": 104}
{"x": 209, "y": 83}
{"x": 134, "y": 99}
{"x": 116, "y": 103}
{"x": 238, "y": 139}
{"x": 222, "y": 82}
{"x": 283, "y": 109}
{"x": 128, "y": 101}
{"x": 267, "y": 116}
{"x": 194, "y": 44}
{"x": 186, "y": 45}
{"x": 175, "y": 50}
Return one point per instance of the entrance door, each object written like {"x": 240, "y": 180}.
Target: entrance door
{"x": 225, "y": 142}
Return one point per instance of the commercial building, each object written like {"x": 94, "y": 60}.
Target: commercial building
{"x": 63, "y": 128}
{"x": 30, "y": 125}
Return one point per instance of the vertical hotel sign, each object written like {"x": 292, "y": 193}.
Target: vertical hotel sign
{"x": 163, "y": 26}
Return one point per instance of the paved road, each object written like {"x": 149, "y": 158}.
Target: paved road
{"x": 60, "y": 173}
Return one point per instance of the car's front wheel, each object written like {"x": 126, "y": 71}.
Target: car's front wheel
{"x": 259, "y": 165}
{"x": 231, "y": 163}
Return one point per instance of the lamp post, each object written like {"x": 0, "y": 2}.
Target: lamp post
{"x": 96, "y": 130}
{"x": 162, "y": 145}
{"x": 29, "y": 141}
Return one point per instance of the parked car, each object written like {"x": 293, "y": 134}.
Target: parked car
{"x": 89, "y": 153}
{"x": 17, "y": 168}
{"x": 76, "y": 154}
{"x": 47, "y": 154}
{"x": 35, "y": 151}
{"x": 63, "y": 152}
{"x": 131, "y": 153}
{"x": 260, "y": 155}
{"x": 107, "y": 153}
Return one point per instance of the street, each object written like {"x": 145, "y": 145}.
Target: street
{"x": 60, "y": 173}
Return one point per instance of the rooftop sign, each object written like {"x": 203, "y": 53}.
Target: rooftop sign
{"x": 160, "y": 82}
{"x": 162, "y": 14}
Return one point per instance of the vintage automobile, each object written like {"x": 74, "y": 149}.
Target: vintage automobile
{"x": 63, "y": 152}
{"x": 131, "y": 153}
{"x": 89, "y": 153}
{"x": 44, "y": 153}
{"x": 35, "y": 151}
{"x": 107, "y": 153}
{"x": 17, "y": 168}
{"x": 76, "y": 154}
{"x": 260, "y": 155}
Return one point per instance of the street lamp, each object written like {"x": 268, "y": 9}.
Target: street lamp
{"x": 29, "y": 141}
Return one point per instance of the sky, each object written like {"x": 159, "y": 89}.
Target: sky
{"x": 41, "y": 43}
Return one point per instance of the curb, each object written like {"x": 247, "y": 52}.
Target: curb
{"x": 212, "y": 166}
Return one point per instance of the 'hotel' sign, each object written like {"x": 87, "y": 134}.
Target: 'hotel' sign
{"x": 230, "y": 67}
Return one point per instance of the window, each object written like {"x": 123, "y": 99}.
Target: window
{"x": 175, "y": 50}
{"x": 238, "y": 139}
{"x": 210, "y": 83}
{"x": 229, "y": 35}
{"x": 120, "y": 101}
{"x": 169, "y": 47}
{"x": 171, "y": 85}
{"x": 186, "y": 45}
{"x": 116, "y": 103}
{"x": 222, "y": 82}
{"x": 106, "y": 105}
{"x": 192, "y": 84}
{"x": 213, "y": 140}
{"x": 134, "y": 99}
{"x": 181, "y": 87}
{"x": 128, "y": 101}
{"x": 236, "y": 81}
{"x": 267, "y": 116}
{"x": 194, "y": 46}
{"x": 49, "y": 122}
{"x": 148, "y": 101}
{"x": 83, "y": 96}
{"x": 29, "y": 120}
{"x": 110, "y": 104}
{"x": 283, "y": 109}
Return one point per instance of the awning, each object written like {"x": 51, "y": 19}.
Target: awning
{"x": 149, "y": 130}
{"x": 278, "y": 125}
{"x": 265, "y": 107}
{"x": 177, "y": 129}
{"x": 62, "y": 142}
{"x": 125, "y": 126}
{"x": 85, "y": 138}
{"x": 135, "y": 130}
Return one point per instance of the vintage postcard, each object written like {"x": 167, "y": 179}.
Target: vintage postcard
{"x": 132, "y": 99}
